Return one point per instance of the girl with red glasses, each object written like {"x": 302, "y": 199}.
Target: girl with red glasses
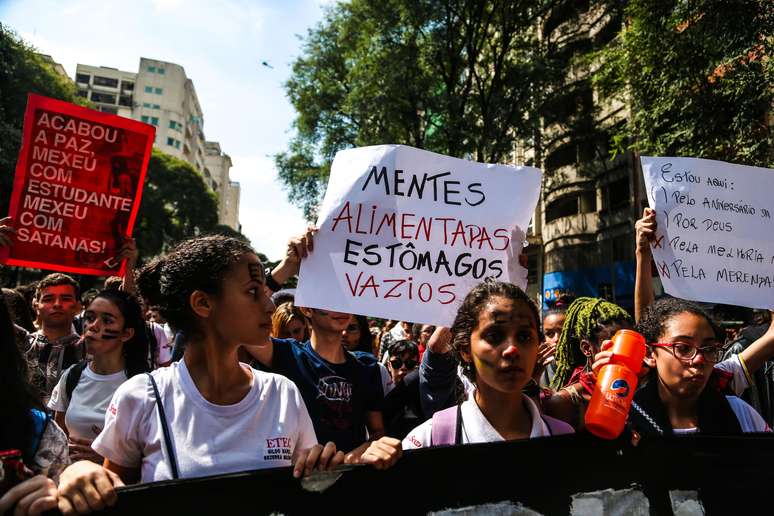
{"x": 682, "y": 393}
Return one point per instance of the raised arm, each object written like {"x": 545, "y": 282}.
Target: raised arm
{"x": 437, "y": 373}
{"x": 645, "y": 233}
{"x": 759, "y": 351}
{"x": 298, "y": 248}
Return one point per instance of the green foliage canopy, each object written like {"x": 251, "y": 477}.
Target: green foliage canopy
{"x": 699, "y": 76}
{"x": 448, "y": 76}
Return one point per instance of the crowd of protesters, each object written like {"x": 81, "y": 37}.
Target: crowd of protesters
{"x": 198, "y": 364}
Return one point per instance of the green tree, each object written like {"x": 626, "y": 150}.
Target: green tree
{"x": 176, "y": 204}
{"x": 449, "y": 76}
{"x": 22, "y": 71}
{"x": 699, "y": 77}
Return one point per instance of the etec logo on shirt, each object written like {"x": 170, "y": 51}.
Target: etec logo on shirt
{"x": 278, "y": 448}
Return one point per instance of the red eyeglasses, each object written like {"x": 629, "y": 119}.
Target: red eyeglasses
{"x": 687, "y": 352}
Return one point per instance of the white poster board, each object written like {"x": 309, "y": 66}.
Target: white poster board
{"x": 405, "y": 234}
{"x": 715, "y": 238}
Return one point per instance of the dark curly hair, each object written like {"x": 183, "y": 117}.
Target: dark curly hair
{"x": 657, "y": 315}
{"x": 195, "y": 264}
{"x": 470, "y": 310}
{"x": 137, "y": 355}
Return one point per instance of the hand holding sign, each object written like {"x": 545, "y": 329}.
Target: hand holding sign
{"x": 6, "y": 232}
{"x": 645, "y": 231}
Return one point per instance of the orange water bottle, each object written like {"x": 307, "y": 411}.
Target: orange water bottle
{"x": 616, "y": 383}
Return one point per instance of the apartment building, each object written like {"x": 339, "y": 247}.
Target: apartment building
{"x": 581, "y": 241}
{"x": 161, "y": 94}
{"x": 216, "y": 167}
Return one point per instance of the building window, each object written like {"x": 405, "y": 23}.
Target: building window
{"x": 172, "y": 124}
{"x": 156, "y": 106}
{"x": 125, "y": 100}
{"x": 152, "y": 69}
{"x": 160, "y": 71}
{"x": 615, "y": 196}
{"x": 83, "y": 93}
{"x": 82, "y": 78}
{"x": 144, "y": 119}
{"x": 105, "y": 98}
{"x": 154, "y": 120}
{"x": 149, "y": 89}
{"x": 159, "y": 91}
{"x": 562, "y": 207}
{"x": 105, "y": 81}
{"x": 127, "y": 86}
{"x": 109, "y": 109}
{"x": 146, "y": 105}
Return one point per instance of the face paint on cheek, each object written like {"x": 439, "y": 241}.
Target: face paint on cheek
{"x": 110, "y": 334}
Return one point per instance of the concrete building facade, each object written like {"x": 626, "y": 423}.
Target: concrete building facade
{"x": 161, "y": 94}
{"x": 581, "y": 241}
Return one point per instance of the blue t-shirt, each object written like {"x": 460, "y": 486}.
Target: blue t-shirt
{"x": 337, "y": 396}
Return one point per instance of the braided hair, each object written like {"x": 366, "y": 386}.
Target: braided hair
{"x": 585, "y": 318}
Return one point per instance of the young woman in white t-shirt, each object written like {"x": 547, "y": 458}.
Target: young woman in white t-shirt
{"x": 115, "y": 337}
{"x": 495, "y": 336}
{"x": 221, "y": 415}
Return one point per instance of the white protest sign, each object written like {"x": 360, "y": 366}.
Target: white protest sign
{"x": 405, "y": 233}
{"x": 715, "y": 238}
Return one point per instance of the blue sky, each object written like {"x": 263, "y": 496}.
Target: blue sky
{"x": 221, "y": 46}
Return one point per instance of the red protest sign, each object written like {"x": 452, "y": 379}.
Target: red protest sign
{"x": 77, "y": 187}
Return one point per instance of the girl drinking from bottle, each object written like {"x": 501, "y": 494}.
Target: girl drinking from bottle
{"x": 680, "y": 394}
{"x": 208, "y": 413}
{"x": 114, "y": 332}
{"x": 495, "y": 337}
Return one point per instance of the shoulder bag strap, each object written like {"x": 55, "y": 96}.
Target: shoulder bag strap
{"x": 165, "y": 429}
{"x": 445, "y": 429}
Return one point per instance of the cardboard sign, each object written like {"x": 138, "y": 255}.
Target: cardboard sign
{"x": 405, "y": 233}
{"x": 77, "y": 187}
{"x": 715, "y": 238}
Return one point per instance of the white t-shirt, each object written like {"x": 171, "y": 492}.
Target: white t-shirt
{"x": 85, "y": 412}
{"x": 740, "y": 380}
{"x": 261, "y": 431}
{"x": 476, "y": 428}
{"x": 164, "y": 350}
{"x": 748, "y": 418}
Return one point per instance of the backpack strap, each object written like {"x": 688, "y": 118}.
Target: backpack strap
{"x": 446, "y": 427}
{"x": 73, "y": 377}
{"x": 556, "y": 426}
{"x": 165, "y": 430}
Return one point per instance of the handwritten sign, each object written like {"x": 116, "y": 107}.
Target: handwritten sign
{"x": 715, "y": 238}
{"x": 77, "y": 187}
{"x": 405, "y": 233}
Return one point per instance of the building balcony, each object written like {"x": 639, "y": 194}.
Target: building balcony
{"x": 582, "y": 224}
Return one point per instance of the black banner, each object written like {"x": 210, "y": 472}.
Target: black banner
{"x": 731, "y": 475}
